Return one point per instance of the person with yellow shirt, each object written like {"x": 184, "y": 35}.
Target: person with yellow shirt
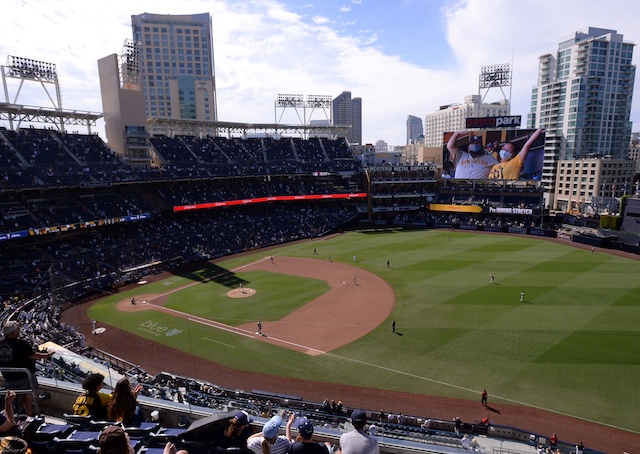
{"x": 511, "y": 162}
{"x": 92, "y": 401}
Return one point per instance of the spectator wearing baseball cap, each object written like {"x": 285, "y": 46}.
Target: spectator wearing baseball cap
{"x": 492, "y": 149}
{"x": 358, "y": 441}
{"x": 304, "y": 443}
{"x": 236, "y": 433}
{"x": 268, "y": 441}
{"x": 473, "y": 163}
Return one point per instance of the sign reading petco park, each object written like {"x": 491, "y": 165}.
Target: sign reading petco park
{"x": 513, "y": 121}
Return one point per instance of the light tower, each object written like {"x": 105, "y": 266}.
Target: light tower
{"x": 492, "y": 76}
{"x": 304, "y": 106}
{"x": 29, "y": 70}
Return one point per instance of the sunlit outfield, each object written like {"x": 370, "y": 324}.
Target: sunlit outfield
{"x": 573, "y": 347}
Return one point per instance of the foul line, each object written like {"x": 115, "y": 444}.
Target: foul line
{"x": 451, "y": 385}
{"x": 218, "y": 342}
{"x": 231, "y": 329}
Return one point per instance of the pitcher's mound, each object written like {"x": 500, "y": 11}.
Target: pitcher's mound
{"x": 241, "y": 293}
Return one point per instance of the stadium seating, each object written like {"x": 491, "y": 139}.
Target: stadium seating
{"x": 53, "y": 181}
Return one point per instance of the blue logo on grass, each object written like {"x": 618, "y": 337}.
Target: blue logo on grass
{"x": 156, "y": 329}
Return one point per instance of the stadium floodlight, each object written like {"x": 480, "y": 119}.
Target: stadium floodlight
{"x": 495, "y": 76}
{"x": 319, "y": 100}
{"x": 129, "y": 62}
{"x": 285, "y": 100}
{"x": 27, "y": 68}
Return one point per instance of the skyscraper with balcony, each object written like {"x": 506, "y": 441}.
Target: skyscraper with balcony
{"x": 348, "y": 111}
{"x": 583, "y": 99}
{"x": 178, "y": 75}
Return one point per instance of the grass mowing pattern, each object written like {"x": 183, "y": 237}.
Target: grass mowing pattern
{"x": 572, "y": 347}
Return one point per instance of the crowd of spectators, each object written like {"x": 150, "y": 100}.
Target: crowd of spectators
{"x": 45, "y": 157}
{"x": 90, "y": 259}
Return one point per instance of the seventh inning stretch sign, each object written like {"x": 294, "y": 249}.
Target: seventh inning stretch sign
{"x": 482, "y": 209}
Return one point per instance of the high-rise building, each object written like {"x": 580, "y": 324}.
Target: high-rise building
{"x": 347, "y": 111}
{"x": 583, "y": 100}
{"x": 634, "y": 150}
{"x": 453, "y": 117}
{"x": 591, "y": 185}
{"x": 177, "y": 66}
{"x": 414, "y": 128}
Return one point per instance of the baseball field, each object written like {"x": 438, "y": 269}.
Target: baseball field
{"x": 326, "y": 306}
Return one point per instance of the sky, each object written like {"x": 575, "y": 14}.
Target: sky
{"x": 402, "y": 57}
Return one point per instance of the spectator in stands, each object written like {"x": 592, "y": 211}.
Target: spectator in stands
{"x": 457, "y": 424}
{"x": 170, "y": 448}
{"x": 13, "y": 445}
{"x": 91, "y": 401}
{"x": 358, "y": 441}
{"x": 123, "y": 405}
{"x": 114, "y": 440}
{"x": 236, "y": 433}
{"x": 268, "y": 441}
{"x": 7, "y": 423}
{"x": 491, "y": 148}
{"x": 16, "y": 352}
{"x": 473, "y": 163}
{"x": 512, "y": 162}
{"x": 304, "y": 444}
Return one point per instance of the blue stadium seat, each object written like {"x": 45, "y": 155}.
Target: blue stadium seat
{"x": 76, "y": 443}
{"x": 143, "y": 432}
{"x": 162, "y": 436}
{"x": 78, "y": 421}
{"x": 46, "y": 433}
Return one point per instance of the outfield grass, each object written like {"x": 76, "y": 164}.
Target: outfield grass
{"x": 573, "y": 347}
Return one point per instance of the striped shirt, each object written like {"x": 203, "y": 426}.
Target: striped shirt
{"x": 469, "y": 167}
{"x": 281, "y": 446}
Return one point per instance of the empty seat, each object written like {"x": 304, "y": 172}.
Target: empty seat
{"x": 99, "y": 425}
{"x": 162, "y": 436}
{"x": 75, "y": 443}
{"x": 143, "y": 431}
{"x": 147, "y": 450}
{"x": 46, "y": 433}
{"x": 78, "y": 421}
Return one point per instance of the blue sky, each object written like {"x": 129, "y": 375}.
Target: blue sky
{"x": 402, "y": 57}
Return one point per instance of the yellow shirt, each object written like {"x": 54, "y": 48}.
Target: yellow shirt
{"x": 507, "y": 170}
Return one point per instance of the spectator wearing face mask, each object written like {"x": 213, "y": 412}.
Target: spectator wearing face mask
{"x": 473, "y": 163}
{"x": 511, "y": 162}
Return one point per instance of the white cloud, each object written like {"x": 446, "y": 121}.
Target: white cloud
{"x": 263, "y": 47}
{"x": 319, "y": 20}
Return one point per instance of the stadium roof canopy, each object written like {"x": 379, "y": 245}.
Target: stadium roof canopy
{"x": 201, "y": 128}
{"x": 17, "y": 114}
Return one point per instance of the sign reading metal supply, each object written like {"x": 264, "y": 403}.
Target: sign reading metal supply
{"x": 510, "y": 121}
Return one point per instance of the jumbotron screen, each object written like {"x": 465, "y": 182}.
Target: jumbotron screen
{"x": 495, "y": 154}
